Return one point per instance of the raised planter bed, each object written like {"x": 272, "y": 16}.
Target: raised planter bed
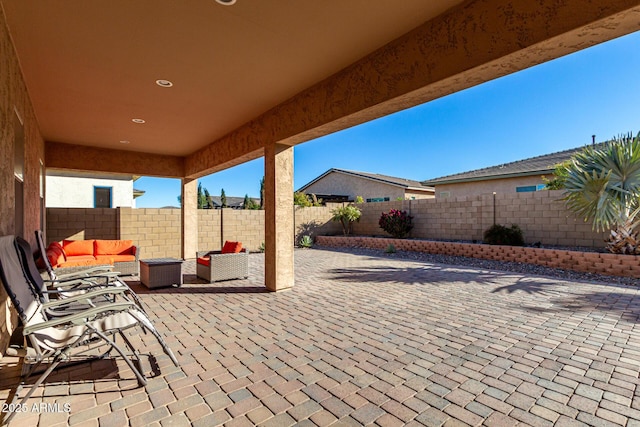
{"x": 589, "y": 262}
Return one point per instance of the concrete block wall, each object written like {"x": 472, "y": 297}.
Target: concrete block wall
{"x": 158, "y": 232}
{"x": 541, "y": 215}
{"x": 452, "y": 219}
{"x": 246, "y": 226}
{"x": 544, "y": 218}
{"x": 209, "y": 231}
{"x": 81, "y": 224}
{"x": 370, "y": 215}
{"x": 315, "y": 221}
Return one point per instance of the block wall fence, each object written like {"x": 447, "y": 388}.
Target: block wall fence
{"x": 158, "y": 231}
{"x": 541, "y": 215}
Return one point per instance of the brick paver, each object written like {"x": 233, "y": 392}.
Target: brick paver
{"x": 366, "y": 339}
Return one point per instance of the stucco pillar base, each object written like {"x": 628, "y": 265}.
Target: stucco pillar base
{"x": 279, "y": 223}
{"x": 189, "y": 218}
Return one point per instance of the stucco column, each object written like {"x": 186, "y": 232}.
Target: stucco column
{"x": 189, "y": 218}
{"x": 278, "y": 228}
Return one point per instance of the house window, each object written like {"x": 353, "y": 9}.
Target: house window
{"x": 102, "y": 197}
{"x": 530, "y": 188}
{"x": 378, "y": 199}
{"x": 445, "y": 194}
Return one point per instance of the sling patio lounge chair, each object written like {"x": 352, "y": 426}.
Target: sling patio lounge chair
{"x": 60, "y": 289}
{"x": 61, "y": 339}
{"x": 81, "y": 279}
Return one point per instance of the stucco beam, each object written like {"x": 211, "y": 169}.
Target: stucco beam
{"x": 468, "y": 45}
{"x": 239, "y": 147}
{"x": 82, "y": 158}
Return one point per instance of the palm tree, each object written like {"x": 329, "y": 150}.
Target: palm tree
{"x": 603, "y": 185}
{"x": 346, "y": 215}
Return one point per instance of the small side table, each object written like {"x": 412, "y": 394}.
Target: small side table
{"x": 160, "y": 272}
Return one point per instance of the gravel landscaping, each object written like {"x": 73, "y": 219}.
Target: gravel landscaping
{"x": 515, "y": 267}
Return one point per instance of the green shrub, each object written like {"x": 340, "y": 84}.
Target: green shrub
{"x": 301, "y": 199}
{"x": 390, "y": 249}
{"x": 396, "y": 222}
{"x": 306, "y": 200}
{"x": 261, "y": 247}
{"x": 501, "y": 235}
{"x": 306, "y": 242}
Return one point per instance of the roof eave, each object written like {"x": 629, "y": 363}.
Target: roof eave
{"x": 487, "y": 177}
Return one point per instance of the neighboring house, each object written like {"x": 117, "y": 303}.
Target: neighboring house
{"x": 345, "y": 185}
{"x": 515, "y": 177}
{"x": 77, "y": 190}
{"x": 232, "y": 202}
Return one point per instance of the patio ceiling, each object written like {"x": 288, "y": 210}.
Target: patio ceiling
{"x": 91, "y": 67}
{"x": 260, "y": 72}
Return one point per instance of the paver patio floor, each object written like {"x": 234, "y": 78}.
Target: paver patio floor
{"x": 366, "y": 339}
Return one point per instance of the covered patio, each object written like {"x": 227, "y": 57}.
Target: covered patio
{"x": 170, "y": 89}
{"x": 370, "y": 339}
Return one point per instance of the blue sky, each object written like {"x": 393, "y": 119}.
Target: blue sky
{"x": 544, "y": 109}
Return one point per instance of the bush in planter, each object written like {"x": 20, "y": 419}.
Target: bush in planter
{"x": 396, "y": 222}
{"x": 501, "y": 235}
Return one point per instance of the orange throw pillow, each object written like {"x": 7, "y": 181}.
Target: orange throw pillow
{"x": 55, "y": 254}
{"x": 114, "y": 247}
{"x": 231, "y": 247}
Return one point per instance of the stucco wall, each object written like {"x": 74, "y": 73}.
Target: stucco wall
{"x": 14, "y": 97}
{"x": 500, "y": 186}
{"x": 352, "y": 186}
{"x": 77, "y": 192}
{"x": 412, "y": 194}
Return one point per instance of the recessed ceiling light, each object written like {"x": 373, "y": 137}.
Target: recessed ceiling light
{"x": 164, "y": 83}
{"x": 137, "y": 120}
{"x": 226, "y": 2}
{"x": 124, "y": 141}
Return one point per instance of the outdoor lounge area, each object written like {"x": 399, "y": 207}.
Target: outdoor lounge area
{"x": 365, "y": 339}
{"x": 183, "y": 90}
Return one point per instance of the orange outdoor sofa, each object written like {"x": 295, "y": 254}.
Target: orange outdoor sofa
{"x": 73, "y": 254}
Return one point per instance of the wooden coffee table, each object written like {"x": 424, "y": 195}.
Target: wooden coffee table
{"x": 160, "y": 272}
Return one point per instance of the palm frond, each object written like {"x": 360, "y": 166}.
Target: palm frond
{"x": 603, "y": 184}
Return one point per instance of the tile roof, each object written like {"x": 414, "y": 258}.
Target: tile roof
{"x": 531, "y": 166}
{"x": 392, "y": 180}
